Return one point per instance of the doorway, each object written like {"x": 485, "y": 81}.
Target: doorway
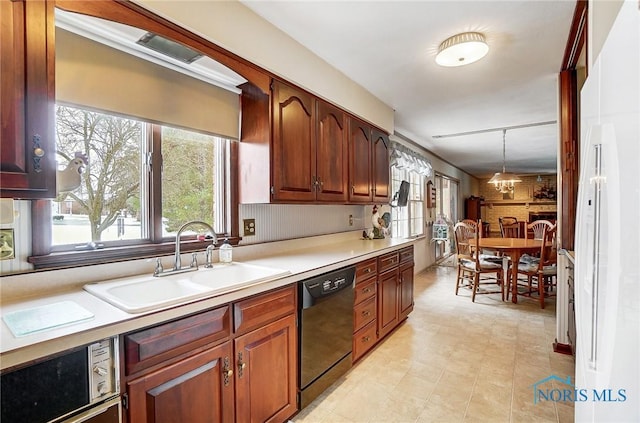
{"x": 446, "y": 208}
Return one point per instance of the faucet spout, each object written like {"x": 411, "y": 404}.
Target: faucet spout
{"x": 177, "y": 265}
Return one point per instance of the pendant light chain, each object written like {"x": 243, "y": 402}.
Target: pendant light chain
{"x": 504, "y": 150}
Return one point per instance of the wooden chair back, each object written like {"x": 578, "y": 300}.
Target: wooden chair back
{"x": 465, "y": 231}
{"x": 510, "y": 231}
{"x": 537, "y": 228}
{"x": 548, "y": 251}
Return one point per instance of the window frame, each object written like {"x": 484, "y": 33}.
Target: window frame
{"x": 258, "y": 81}
{"x": 410, "y": 220}
{"x": 45, "y": 255}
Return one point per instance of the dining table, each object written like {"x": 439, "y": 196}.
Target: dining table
{"x": 512, "y": 248}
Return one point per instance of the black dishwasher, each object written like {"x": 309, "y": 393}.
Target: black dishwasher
{"x": 325, "y": 331}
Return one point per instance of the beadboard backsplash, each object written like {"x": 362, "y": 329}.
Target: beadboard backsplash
{"x": 275, "y": 222}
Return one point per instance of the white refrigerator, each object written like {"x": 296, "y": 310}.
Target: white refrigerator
{"x": 607, "y": 247}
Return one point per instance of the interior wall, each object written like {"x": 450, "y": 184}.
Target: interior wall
{"x": 601, "y": 16}
{"x": 521, "y": 205}
{"x": 275, "y": 222}
{"x": 236, "y": 28}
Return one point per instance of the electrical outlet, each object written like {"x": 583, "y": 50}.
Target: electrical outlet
{"x": 249, "y": 227}
{"x": 350, "y": 220}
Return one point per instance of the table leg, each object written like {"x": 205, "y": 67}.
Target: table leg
{"x": 506, "y": 276}
{"x": 515, "y": 259}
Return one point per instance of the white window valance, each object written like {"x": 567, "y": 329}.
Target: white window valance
{"x": 405, "y": 158}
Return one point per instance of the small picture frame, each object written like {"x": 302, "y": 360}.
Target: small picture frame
{"x": 7, "y": 245}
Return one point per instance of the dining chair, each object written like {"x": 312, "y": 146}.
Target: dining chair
{"x": 510, "y": 231}
{"x": 540, "y": 272}
{"x": 536, "y": 228}
{"x": 474, "y": 271}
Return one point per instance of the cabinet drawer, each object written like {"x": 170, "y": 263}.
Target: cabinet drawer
{"x": 366, "y": 269}
{"x": 364, "y": 313}
{"x": 365, "y": 290}
{"x": 154, "y": 345}
{"x": 257, "y": 311}
{"x": 388, "y": 261}
{"x": 363, "y": 340}
{"x": 406, "y": 254}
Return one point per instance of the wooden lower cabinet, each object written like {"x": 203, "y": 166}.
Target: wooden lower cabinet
{"x": 406, "y": 290}
{"x": 196, "y": 369}
{"x": 196, "y": 389}
{"x": 388, "y": 316}
{"x": 266, "y": 366}
{"x": 383, "y": 297}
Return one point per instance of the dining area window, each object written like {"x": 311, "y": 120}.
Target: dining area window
{"x": 410, "y": 166}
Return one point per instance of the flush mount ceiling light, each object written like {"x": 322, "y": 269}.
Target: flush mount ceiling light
{"x": 462, "y": 49}
{"x": 504, "y": 181}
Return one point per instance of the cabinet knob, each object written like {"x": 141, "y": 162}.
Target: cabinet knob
{"x": 366, "y": 290}
{"x": 366, "y": 313}
{"x": 365, "y": 339}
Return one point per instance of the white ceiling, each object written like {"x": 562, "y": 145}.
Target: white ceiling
{"x": 389, "y": 48}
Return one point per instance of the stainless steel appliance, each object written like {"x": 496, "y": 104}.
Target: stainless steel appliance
{"x": 326, "y": 331}
{"x": 79, "y": 385}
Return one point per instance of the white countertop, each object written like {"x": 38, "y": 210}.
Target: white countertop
{"x": 302, "y": 263}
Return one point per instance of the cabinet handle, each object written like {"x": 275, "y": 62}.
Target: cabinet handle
{"x": 38, "y": 153}
{"x": 226, "y": 371}
{"x": 241, "y": 365}
{"x": 366, "y": 290}
{"x": 365, "y": 339}
{"x": 367, "y": 270}
{"x": 365, "y": 313}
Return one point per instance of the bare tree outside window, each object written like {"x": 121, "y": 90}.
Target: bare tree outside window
{"x": 111, "y": 183}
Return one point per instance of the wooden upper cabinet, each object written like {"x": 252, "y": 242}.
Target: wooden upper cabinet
{"x": 332, "y": 168}
{"x": 380, "y": 166}
{"x": 296, "y": 148}
{"x": 294, "y": 144}
{"x": 27, "y": 96}
{"x": 359, "y": 162}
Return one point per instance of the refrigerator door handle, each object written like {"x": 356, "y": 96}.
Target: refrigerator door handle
{"x": 597, "y": 182}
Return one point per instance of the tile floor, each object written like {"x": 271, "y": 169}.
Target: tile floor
{"x": 453, "y": 360}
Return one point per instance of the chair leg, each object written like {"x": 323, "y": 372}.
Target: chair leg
{"x": 458, "y": 280}
{"x": 476, "y": 284}
{"x": 541, "y": 283}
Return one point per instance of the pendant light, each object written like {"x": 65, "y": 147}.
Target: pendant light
{"x": 504, "y": 181}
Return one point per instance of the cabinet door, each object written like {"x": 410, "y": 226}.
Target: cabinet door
{"x": 380, "y": 170}
{"x": 332, "y": 151}
{"x": 266, "y": 366}
{"x": 198, "y": 389}
{"x": 294, "y": 144}
{"x": 387, "y": 301}
{"x": 27, "y": 96}
{"x": 406, "y": 290}
{"x": 359, "y": 162}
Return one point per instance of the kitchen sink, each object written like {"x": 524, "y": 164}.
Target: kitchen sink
{"x": 222, "y": 277}
{"x": 148, "y": 293}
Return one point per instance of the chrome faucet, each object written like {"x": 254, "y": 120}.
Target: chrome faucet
{"x": 177, "y": 263}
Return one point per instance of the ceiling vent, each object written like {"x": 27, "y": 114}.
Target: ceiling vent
{"x": 169, "y": 48}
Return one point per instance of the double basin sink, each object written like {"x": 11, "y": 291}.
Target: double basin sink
{"x": 148, "y": 293}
